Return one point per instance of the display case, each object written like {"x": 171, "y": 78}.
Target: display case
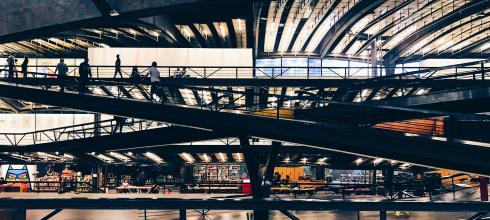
{"x": 212, "y": 173}
{"x": 223, "y": 174}
{"x": 234, "y": 173}
{"x": 126, "y": 179}
{"x": 217, "y": 172}
{"x": 47, "y": 184}
{"x": 200, "y": 173}
{"x": 111, "y": 181}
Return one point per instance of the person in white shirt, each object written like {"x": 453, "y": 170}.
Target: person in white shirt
{"x": 154, "y": 79}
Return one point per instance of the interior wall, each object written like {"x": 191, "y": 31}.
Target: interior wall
{"x": 171, "y": 56}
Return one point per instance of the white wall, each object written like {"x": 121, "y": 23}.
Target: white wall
{"x": 20, "y": 123}
{"x": 444, "y": 62}
{"x": 171, "y": 56}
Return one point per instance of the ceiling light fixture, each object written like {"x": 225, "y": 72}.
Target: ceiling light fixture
{"x": 222, "y": 157}
{"x": 206, "y": 158}
{"x": 359, "y": 161}
{"x": 187, "y": 157}
{"x": 120, "y": 156}
{"x": 304, "y": 160}
{"x": 377, "y": 161}
{"x": 113, "y": 13}
{"x": 157, "y": 159}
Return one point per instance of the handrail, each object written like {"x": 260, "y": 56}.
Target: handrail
{"x": 264, "y": 71}
{"x": 73, "y": 131}
{"x": 278, "y": 110}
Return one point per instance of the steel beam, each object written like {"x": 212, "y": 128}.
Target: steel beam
{"x": 242, "y": 204}
{"x": 146, "y": 138}
{"x": 354, "y": 140}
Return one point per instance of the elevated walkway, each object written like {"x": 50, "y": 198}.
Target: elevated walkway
{"x": 343, "y": 138}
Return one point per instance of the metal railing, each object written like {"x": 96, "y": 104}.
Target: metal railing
{"x": 472, "y": 70}
{"x": 214, "y": 103}
{"x": 78, "y": 131}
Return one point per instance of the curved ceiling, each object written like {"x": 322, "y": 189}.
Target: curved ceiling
{"x": 394, "y": 30}
{"x": 389, "y": 30}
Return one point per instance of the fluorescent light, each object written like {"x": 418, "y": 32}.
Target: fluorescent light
{"x": 187, "y": 157}
{"x": 377, "y": 161}
{"x": 120, "y": 156}
{"x": 114, "y": 31}
{"x": 132, "y": 32}
{"x": 405, "y": 166}
{"x": 130, "y": 154}
{"x": 239, "y": 21}
{"x": 102, "y": 157}
{"x": 154, "y": 157}
{"x": 321, "y": 161}
{"x": 359, "y": 161}
{"x": 222, "y": 157}
{"x": 287, "y": 160}
{"x": 222, "y": 30}
{"x": 206, "y": 158}
{"x": 42, "y": 154}
{"x": 154, "y": 33}
{"x": 239, "y": 157}
{"x": 304, "y": 160}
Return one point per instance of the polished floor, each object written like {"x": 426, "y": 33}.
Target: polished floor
{"x": 463, "y": 195}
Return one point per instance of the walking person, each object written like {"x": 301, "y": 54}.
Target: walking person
{"x": 135, "y": 76}
{"x": 154, "y": 79}
{"x": 11, "y": 65}
{"x": 118, "y": 67}
{"x": 24, "y": 66}
{"x": 61, "y": 70}
{"x": 85, "y": 73}
{"x": 120, "y": 122}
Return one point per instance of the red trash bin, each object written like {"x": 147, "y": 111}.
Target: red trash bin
{"x": 246, "y": 187}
